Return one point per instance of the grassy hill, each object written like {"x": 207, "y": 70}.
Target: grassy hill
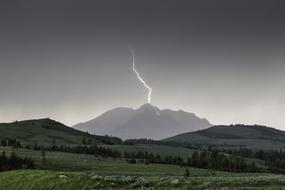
{"x": 251, "y": 136}
{"x": 48, "y": 132}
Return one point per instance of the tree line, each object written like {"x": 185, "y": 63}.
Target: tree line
{"x": 275, "y": 159}
{"x": 214, "y": 160}
{"x": 13, "y": 162}
{"x": 218, "y": 160}
{"x": 208, "y": 159}
{"x": 81, "y": 149}
{"x": 10, "y": 142}
{"x": 223, "y": 160}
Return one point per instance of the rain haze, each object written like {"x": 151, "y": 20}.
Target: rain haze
{"x": 70, "y": 60}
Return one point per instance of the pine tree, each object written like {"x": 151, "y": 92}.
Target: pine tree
{"x": 43, "y": 156}
{"x": 186, "y": 172}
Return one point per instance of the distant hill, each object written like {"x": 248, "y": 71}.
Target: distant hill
{"x": 145, "y": 122}
{"x": 48, "y": 132}
{"x": 252, "y": 136}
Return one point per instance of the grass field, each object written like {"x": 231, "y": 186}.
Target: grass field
{"x": 67, "y": 171}
{"x": 53, "y": 180}
{"x": 169, "y": 150}
{"x": 82, "y": 162}
{"x": 61, "y": 161}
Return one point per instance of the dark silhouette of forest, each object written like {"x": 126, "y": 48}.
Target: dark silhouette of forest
{"x": 13, "y": 162}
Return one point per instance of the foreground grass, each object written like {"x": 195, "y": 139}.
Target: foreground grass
{"x": 53, "y": 180}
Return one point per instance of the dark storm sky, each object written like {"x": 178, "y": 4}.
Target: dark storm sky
{"x": 69, "y": 60}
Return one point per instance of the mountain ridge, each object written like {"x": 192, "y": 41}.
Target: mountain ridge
{"x": 252, "y": 136}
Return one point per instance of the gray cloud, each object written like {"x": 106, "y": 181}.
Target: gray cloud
{"x": 69, "y": 60}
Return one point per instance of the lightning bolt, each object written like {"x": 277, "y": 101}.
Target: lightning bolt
{"x": 140, "y": 78}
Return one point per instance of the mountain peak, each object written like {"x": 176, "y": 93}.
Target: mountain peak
{"x": 149, "y": 108}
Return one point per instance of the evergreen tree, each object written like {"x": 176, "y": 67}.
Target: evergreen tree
{"x": 43, "y": 156}
{"x": 186, "y": 172}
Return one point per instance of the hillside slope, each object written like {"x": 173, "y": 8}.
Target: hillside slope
{"x": 145, "y": 122}
{"x": 47, "y": 131}
{"x": 253, "y": 136}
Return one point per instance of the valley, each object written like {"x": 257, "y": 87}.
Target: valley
{"x": 175, "y": 162}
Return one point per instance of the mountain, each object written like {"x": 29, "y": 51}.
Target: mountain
{"x": 251, "y": 136}
{"x": 48, "y": 132}
{"x": 145, "y": 122}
